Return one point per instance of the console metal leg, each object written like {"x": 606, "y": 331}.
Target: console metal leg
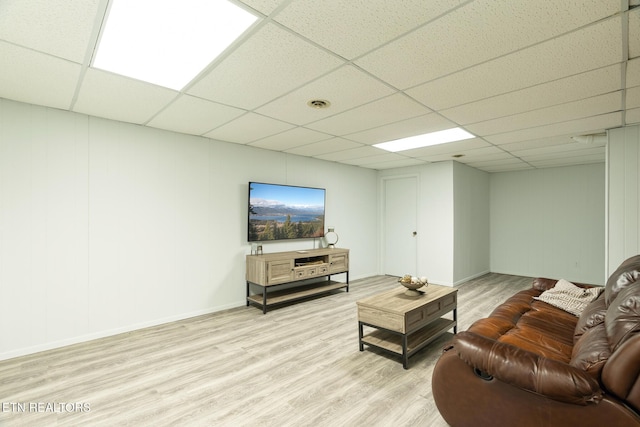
{"x": 264, "y": 300}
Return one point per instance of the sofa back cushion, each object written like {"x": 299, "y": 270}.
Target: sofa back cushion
{"x": 591, "y": 351}
{"x": 624, "y": 276}
{"x": 621, "y": 374}
{"x": 592, "y": 316}
{"x": 622, "y": 320}
{"x": 591, "y": 348}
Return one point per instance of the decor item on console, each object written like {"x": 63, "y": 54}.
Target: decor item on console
{"x": 412, "y": 284}
{"x": 533, "y": 364}
{"x": 331, "y": 237}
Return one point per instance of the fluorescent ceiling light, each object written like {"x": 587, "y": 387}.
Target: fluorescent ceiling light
{"x": 419, "y": 141}
{"x": 167, "y": 42}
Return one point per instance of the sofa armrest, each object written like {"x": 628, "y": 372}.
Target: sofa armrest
{"x": 523, "y": 369}
{"x": 543, "y": 283}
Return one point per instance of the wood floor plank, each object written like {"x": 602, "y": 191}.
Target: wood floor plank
{"x": 298, "y": 365}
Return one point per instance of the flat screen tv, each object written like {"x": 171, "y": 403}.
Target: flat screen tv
{"x": 283, "y": 212}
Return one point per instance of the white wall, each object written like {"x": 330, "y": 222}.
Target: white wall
{"x": 453, "y": 221}
{"x": 549, "y": 222}
{"x": 623, "y": 194}
{"x": 471, "y": 223}
{"x": 434, "y": 219}
{"x": 107, "y": 227}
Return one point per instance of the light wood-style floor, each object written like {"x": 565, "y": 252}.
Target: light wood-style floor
{"x": 298, "y": 365}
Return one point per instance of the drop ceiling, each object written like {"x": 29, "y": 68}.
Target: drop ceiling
{"x": 523, "y": 76}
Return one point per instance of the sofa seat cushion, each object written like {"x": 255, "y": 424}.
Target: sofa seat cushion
{"x": 531, "y": 325}
{"x": 551, "y": 320}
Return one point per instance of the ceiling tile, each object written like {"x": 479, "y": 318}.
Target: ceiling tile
{"x": 263, "y": 6}
{"x": 560, "y": 151}
{"x": 560, "y": 113}
{"x": 248, "y": 128}
{"x": 450, "y": 148}
{"x": 580, "y": 127}
{"x": 633, "y": 73}
{"x": 344, "y": 88}
{"x": 506, "y": 168}
{"x": 593, "y": 47}
{"x": 352, "y": 153}
{"x": 108, "y": 95}
{"x": 268, "y": 65}
{"x": 580, "y": 86}
{"x": 569, "y": 161}
{"x": 383, "y": 111}
{"x": 633, "y": 116}
{"x": 487, "y": 155}
{"x": 60, "y": 28}
{"x": 323, "y": 147}
{"x": 194, "y": 116}
{"x": 392, "y": 164}
{"x": 415, "y": 126}
{"x": 480, "y": 31}
{"x": 634, "y": 33}
{"x": 484, "y": 153}
{"x": 633, "y": 97}
{"x": 505, "y": 161}
{"x": 380, "y": 158}
{"x": 22, "y": 79}
{"x": 536, "y": 143}
{"x": 353, "y": 27}
{"x": 563, "y": 150}
{"x": 289, "y": 139}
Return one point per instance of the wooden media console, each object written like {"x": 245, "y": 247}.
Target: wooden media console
{"x": 287, "y": 276}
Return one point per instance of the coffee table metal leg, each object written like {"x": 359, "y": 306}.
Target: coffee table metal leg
{"x": 405, "y": 358}
{"x": 455, "y": 319}
{"x": 360, "y": 335}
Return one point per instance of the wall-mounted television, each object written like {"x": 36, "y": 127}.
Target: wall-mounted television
{"x": 283, "y": 212}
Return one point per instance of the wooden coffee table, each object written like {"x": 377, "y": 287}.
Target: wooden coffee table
{"x": 405, "y": 324}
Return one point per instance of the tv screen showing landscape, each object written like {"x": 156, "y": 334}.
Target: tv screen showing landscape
{"x": 282, "y": 212}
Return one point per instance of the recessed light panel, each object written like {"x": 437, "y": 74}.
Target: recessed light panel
{"x": 167, "y": 42}
{"x": 426, "y": 140}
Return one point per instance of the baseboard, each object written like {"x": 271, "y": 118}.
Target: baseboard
{"x": 111, "y": 332}
{"x": 129, "y": 328}
{"x": 474, "y": 276}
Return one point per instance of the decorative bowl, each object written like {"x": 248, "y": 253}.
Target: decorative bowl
{"x": 413, "y": 284}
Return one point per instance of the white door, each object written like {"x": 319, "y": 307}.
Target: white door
{"x": 400, "y": 218}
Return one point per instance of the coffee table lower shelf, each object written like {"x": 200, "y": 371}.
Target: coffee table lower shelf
{"x": 405, "y": 345}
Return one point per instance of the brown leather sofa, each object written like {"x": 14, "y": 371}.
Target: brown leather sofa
{"x": 532, "y": 364}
